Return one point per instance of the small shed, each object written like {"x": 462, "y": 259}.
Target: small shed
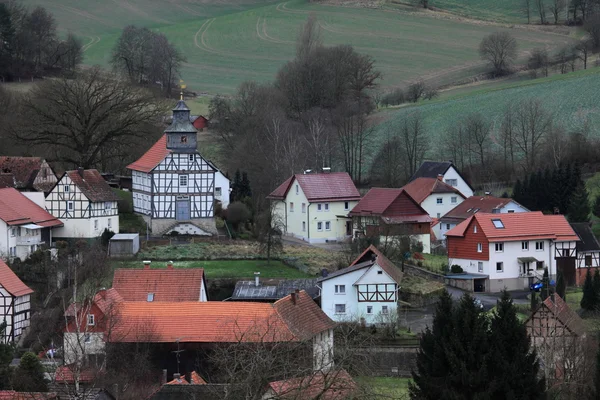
{"x": 124, "y": 245}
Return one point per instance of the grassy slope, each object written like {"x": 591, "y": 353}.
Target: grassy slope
{"x": 573, "y": 98}
{"x": 251, "y": 42}
{"x": 233, "y": 268}
{"x": 387, "y": 387}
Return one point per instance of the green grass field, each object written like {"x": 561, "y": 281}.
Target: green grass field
{"x": 386, "y": 387}
{"x": 232, "y": 41}
{"x": 229, "y": 268}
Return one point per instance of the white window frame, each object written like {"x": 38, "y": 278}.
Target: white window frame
{"x": 501, "y": 264}
{"x": 67, "y": 189}
{"x": 291, "y": 206}
{"x": 96, "y": 224}
{"x": 192, "y": 157}
{"x": 480, "y": 266}
{"x": 340, "y": 289}
{"x": 297, "y": 190}
{"x": 320, "y": 226}
{"x": 341, "y": 306}
{"x": 327, "y": 225}
{"x": 453, "y": 199}
{"x": 447, "y": 227}
{"x": 183, "y": 181}
{"x": 451, "y": 182}
{"x": 439, "y": 201}
{"x": 539, "y": 245}
{"x": 479, "y": 248}
{"x": 525, "y": 245}
{"x": 303, "y": 208}
{"x": 499, "y": 247}
{"x": 319, "y": 207}
{"x": 438, "y": 215}
{"x": 91, "y": 320}
{"x": 326, "y": 207}
{"x": 13, "y": 232}
{"x": 218, "y": 191}
{"x": 70, "y": 206}
{"x": 385, "y": 310}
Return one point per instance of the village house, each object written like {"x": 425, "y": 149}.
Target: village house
{"x": 314, "y": 206}
{"x": 588, "y": 251}
{"x": 472, "y": 205}
{"x": 448, "y": 172}
{"x": 558, "y": 334}
{"x": 435, "y": 196}
{"x": 24, "y": 226}
{"x": 389, "y": 214}
{"x": 511, "y": 251}
{"x": 26, "y": 174}
{"x": 85, "y": 204}
{"x": 15, "y": 304}
{"x": 365, "y": 291}
{"x": 174, "y": 187}
{"x": 334, "y": 385}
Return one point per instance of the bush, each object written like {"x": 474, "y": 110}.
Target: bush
{"x": 393, "y": 98}
{"x": 238, "y": 213}
{"x": 456, "y": 269}
{"x": 417, "y": 247}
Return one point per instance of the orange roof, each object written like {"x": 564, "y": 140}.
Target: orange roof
{"x": 178, "y": 381}
{"x": 563, "y": 313}
{"x": 65, "y": 374}
{"x": 332, "y": 385}
{"x": 167, "y": 284}
{"x": 334, "y": 186}
{"x": 195, "y": 379}
{"x": 152, "y": 157}
{"x": 16, "y": 209}
{"x": 11, "y": 282}
{"x": 532, "y": 225}
{"x": 303, "y": 317}
{"x": 12, "y": 395}
{"x": 421, "y": 188}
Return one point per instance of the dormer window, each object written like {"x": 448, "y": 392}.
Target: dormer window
{"x": 498, "y": 223}
{"x": 150, "y": 297}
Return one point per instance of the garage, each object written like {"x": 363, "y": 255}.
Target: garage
{"x": 477, "y": 283}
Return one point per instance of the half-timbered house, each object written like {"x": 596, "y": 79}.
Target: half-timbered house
{"x": 366, "y": 291}
{"x": 588, "y": 251}
{"x": 511, "y": 250}
{"x": 28, "y": 173}
{"x": 15, "y": 304}
{"x": 173, "y": 185}
{"x": 85, "y": 203}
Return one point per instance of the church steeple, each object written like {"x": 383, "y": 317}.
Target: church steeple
{"x": 181, "y": 134}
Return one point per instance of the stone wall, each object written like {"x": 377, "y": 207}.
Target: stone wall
{"x": 422, "y": 273}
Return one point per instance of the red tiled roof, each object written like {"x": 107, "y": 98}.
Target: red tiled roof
{"x": 304, "y": 318}
{"x": 11, "y": 282}
{"x": 16, "y": 209}
{"x": 65, "y": 374}
{"x": 389, "y": 267}
{"x": 24, "y": 169}
{"x": 377, "y": 201}
{"x": 520, "y": 226}
{"x": 12, "y": 395}
{"x": 563, "y": 313}
{"x": 178, "y": 381}
{"x": 475, "y": 204}
{"x": 7, "y": 180}
{"x": 196, "y": 379}
{"x": 334, "y": 186}
{"x": 92, "y": 185}
{"x": 152, "y": 157}
{"x": 333, "y": 385}
{"x": 175, "y": 284}
{"x": 421, "y": 188}
{"x": 106, "y": 299}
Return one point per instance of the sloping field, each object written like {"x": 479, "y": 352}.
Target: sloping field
{"x": 574, "y": 100}
{"x": 232, "y": 41}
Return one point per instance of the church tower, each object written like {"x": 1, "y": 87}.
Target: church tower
{"x": 181, "y": 134}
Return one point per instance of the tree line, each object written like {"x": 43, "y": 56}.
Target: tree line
{"x": 30, "y": 45}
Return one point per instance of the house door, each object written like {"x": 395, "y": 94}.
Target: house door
{"x": 348, "y": 228}
{"x": 182, "y": 208}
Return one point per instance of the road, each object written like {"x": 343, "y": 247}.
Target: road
{"x": 489, "y": 300}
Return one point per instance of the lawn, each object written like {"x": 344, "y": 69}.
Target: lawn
{"x": 229, "y": 42}
{"x": 229, "y": 268}
{"x": 386, "y": 387}
{"x": 432, "y": 262}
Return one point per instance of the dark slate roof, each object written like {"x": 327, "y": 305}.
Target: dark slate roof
{"x": 431, "y": 169}
{"x": 247, "y": 290}
{"x": 181, "y": 119}
{"x": 588, "y": 240}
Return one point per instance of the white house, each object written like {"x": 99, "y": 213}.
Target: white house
{"x": 511, "y": 250}
{"x": 84, "y": 203}
{"x": 448, "y": 172}
{"x": 314, "y": 207}
{"x": 435, "y": 196}
{"x": 222, "y": 186}
{"x": 174, "y": 187}
{"x": 472, "y": 205}
{"x": 15, "y": 304}
{"x": 366, "y": 291}
{"x": 24, "y": 225}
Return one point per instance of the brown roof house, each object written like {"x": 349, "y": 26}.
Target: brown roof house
{"x": 85, "y": 203}
{"x": 563, "y": 346}
{"x": 314, "y": 206}
{"x": 434, "y": 195}
{"x": 16, "y": 304}
{"x": 27, "y": 173}
{"x": 392, "y": 214}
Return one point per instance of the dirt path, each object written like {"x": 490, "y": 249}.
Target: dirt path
{"x": 94, "y": 40}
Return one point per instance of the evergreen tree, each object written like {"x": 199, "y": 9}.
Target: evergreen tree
{"x": 518, "y": 192}
{"x": 29, "y": 375}
{"x": 596, "y": 208}
{"x": 245, "y": 190}
{"x": 597, "y": 375}
{"x": 513, "y": 362}
{"x": 545, "y": 292}
{"x": 432, "y": 366}
{"x": 6, "y": 357}
{"x": 596, "y": 286}
{"x": 579, "y": 205}
{"x": 589, "y": 299}
{"x": 549, "y": 191}
{"x": 560, "y": 285}
{"x": 236, "y": 187}
{"x": 534, "y": 301}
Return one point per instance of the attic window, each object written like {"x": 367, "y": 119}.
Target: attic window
{"x": 66, "y": 188}
{"x": 150, "y": 297}
{"x": 498, "y": 223}
{"x": 379, "y": 272}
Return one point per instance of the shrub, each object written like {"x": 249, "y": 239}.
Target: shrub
{"x": 420, "y": 264}
{"x": 393, "y": 98}
{"x": 456, "y": 269}
{"x": 238, "y": 213}
{"x": 417, "y": 247}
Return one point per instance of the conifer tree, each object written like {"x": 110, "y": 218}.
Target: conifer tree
{"x": 589, "y": 299}
{"x": 517, "y": 194}
{"x": 513, "y": 362}
{"x": 245, "y": 190}
{"x": 432, "y": 366}
{"x": 236, "y": 187}
{"x": 596, "y": 208}
{"x": 534, "y": 301}
{"x": 549, "y": 190}
{"x": 560, "y": 285}
{"x": 29, "y": 375}
{"x": 545, "y": 292}
{"x": 579, "y": 205}
{"x": 596, "y": 286}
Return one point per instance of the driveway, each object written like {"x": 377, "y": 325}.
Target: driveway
{"x": 489, "y": 300}
{"x": 417, "y": 319}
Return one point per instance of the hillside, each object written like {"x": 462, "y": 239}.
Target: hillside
{"x": 229, "y": 42}
{"x": 573, "y": 99}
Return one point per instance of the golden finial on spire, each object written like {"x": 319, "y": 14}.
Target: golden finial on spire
{"x": 182, "y": 86}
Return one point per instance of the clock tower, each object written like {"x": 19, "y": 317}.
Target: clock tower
{"x": 181, "y": 134}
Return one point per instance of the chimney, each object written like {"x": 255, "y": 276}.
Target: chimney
{"x": 257, "y": 279}
{"x": 102, "y": 293}
{"x": 80, "y": 171}
{"x": 163, "y": 378}
{"x": 147, "y": 264}
{"x": 440, "y": 177}
{"x": 177, "y": 376}
{"x": 294, "y": 297}
{"x": 170, "y": 265}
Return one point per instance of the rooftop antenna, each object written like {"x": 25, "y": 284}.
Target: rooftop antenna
{"x": 182, "y": 85}
{"x": 178, "y": 352}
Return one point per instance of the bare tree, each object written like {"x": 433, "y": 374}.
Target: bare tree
{"x": 500, "y": 50}
{"x": 507, "y": 134}
{"x": 539, "y": 60}
{"x": 563, "y": 59}
{"x": 87, "y": 121}
{"x": 541, "y": 9}
{"x": 592, "y": 28}
{"x": 387, "y": 168}
{"x": 477, "y": 131}
{"x": 532, "y": 124}
{"x": 416, "y": 91}
{"x": 309, "y": 37}
{"x": 415, "y": 142}
{"x": 527, "y": 10}
{"x": 269, "y": 230}
{"x": 583, "y": 49}
{"x": 557, "y": 7}
{"x": 557, "y": 145}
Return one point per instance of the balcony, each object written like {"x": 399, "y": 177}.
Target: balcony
{"x": 29, "y": 240}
